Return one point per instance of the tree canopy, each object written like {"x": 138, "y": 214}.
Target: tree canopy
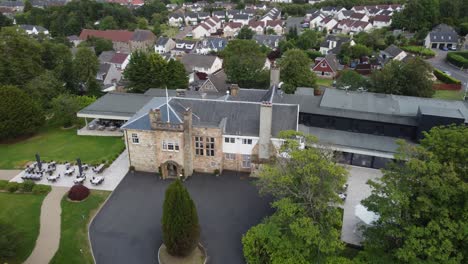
{"x": 351, "y": 80}
{"x": 245, "y": 33}
{"x": 422, "y": 202}
{"x": 85, "y": 68}
{"x": 244, "y": 62}
{"x": 295, "y": 70}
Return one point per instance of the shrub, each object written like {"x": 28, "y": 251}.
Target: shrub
{"x": 459, "y": 58}
{"x": 3, "y": 184}
{"x": 181, "y": 231}
{"x": 9, "y": 241}
{"x": 12, "y": 187}
{"x": 441, "y": 76}
{"x": 216, "y": 172}
{"x": 422, "y": 51}
{"x": 28, "y": 186}
{"x": 78, "y": 192}
{"x": 132, "y": 168}
{"x": 41, "y": 189}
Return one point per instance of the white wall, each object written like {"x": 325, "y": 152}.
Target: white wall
{"x": 238, "y": 147}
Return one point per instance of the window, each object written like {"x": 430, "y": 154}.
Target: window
{"x": 247, "y": 141}
{"x": 210, "y": 146}
{"x": 245, "y": 161}
{"x": 199, "y": 148}
{"x": 135, "y": 139}
{"x": 324, "y": 65}
{"x": 230, "y": 156}
{"x": 169, "y": 145}
{"x": 229, "y": 140}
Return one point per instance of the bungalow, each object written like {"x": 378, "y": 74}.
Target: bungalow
{"x": 221, "y": 14}
{"x": 201, "y": 63}
{"x": 203, "y": 15}
{"x": 231, "y": 13}
{"x": 326, "y": 67}
{"x": 381, "y": 21}
{"x": 441, "y": 36}
{"x": 176, "y": 20}
{"x": 231, "y": 29}
{"x": 164, "y": 45}
{"x": 359, "y": 17}
{"x": 392, "y": 52}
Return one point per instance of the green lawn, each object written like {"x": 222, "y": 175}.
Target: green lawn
{"x": 168, "y": 31}
{"x": 74, "y": 245}
{"x": 325, "y": 82}
{"x": 59, "y": 145}
{"x": 23, "y": 212}
{"x": 449, "y": 95}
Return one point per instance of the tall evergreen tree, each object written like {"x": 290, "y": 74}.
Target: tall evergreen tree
{"x": 181, "y": 231}
{"x": 176, "y": 75}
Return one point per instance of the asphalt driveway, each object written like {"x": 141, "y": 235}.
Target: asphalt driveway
{"x": 439, "y": 62}
{"x": 128, "y": 228}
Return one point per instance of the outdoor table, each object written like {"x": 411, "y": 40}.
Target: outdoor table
{"x": 70, "y": 171}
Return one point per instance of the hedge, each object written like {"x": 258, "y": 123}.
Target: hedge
{"x": 3, "y": 184}
{"x": 419, "y": 50}
{"x": 441, "y": 76}
{"x": 458, "y": 58}
{"x": 41, "y": 189}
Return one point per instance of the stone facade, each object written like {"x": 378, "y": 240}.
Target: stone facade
{"x": 142, "y": 155}
{"x": 204, "y": 163}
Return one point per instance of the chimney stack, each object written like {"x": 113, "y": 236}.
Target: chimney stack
{"x": 274, "y": 75}
{"x": 155, "y": 117}
{"x": 234, "y": 89}
{"x": 187, "y": 145}
{"x": 266, "y": 115}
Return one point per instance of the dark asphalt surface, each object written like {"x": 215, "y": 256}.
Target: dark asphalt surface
{"x": 439, "y": 62}
{"x": 128, "y": 228}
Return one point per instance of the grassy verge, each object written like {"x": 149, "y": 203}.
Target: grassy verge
{"x": 60, "y": 145}
{"x": 325, "y": 82}
{"x": 23, "y": 212}
{"x": 449, "y": 95}
{"x": 74, "y": 245}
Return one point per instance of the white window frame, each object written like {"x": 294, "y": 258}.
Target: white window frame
{"x": 246, "y": 161}
{"x": 247, "y": 141}
{"x": 170, "y": 145}
{"x": 230, "y": 156}
{"x": 135, "y": 138}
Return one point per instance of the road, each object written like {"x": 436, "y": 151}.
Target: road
{"x": 439, "y": 62}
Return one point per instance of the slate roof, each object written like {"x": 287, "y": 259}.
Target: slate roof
{"x": 106, "y": 56}
{"x": 267, "y": 40}
{"x": 443, "y": 33}
{"x": 117, "y": 104}
{"x": 162, "y": 41}
{"x": 221, "y": 13}
{"x": 142, "y": 35}
{"x": 197, "y": 60}
{"x": 393, "y": 50}
{"x": 241, "y": 17}
{"x": 31, "y": 27}
{"x": 213, "y": 43}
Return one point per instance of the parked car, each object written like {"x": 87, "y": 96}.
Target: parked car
{"x": 454, "y": 48}
{"x": 444, "y": 48}
{"x": 448, "y": 73}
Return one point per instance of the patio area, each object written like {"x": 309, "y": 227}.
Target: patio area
{"x": 112, "y": 175}
{"x": 102, "y": 127}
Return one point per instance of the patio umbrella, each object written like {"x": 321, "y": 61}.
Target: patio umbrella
{"x": 80, "y": 169}
{"x": 38, "y": 159}
{"x": 366, "y": 216}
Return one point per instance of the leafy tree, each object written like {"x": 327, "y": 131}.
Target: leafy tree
{"x": 138, "y": 72}
{"x": 44, "y": 88}
{"x": 244, "y": 62}
{"x": 421, "y": 201}
{"x": 412, "y": 78}
{"x": 108, "y": 22}
{"x": 9, "y": 241}
{"x": 270, "y": 31}
{"x": 292, "y": 33}
{"x": 463, "y": 29}
{"x": 158, "y": 70}
{"x": 352, "y": 80}
{"x": 65, "y": 107}
{"x": 99, "y": 44}
{"x": 151, "y": 8}
{"x": 5, "y": 21}
{"x": 308, "y": 40}
{"x": 57, "y": 57}
{"x": 181, "y": 231}
{"x": 245, "y": 33}
{"x": 418, "y": 14}
{"x": 27, "y": 6}
{"x": 21, "y": 57}
{"x": 306, "y": 226}
{"x": 19, "y": 114}
{"x": 85, "y": 67}
{"x": 142, "y": 23}
{"x": 285, "y": 45}
{"x": 176, "y": 75}
{"x": 354, "y": 52}
{"x": 374, "y": 40}
{"x": 295, "y": 70}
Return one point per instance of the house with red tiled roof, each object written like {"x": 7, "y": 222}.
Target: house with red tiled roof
{"x": 327, "y": 23}
{"x": 359, "y": 17}
{"x": 122, "y": 40}
{"x": 201, "y": 31}
{"x": 258, "y": 27}
{"x": 231, "y": 29}
{"x": 381, "y": 21}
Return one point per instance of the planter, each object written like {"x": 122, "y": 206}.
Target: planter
{"x": 198, "y": 256}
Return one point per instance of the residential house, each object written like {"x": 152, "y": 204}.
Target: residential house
{"x": 271, "y": 41}
{"x": 327, "y": 23}
{"x": 34, "y": 30}
{"x": 231, "y": 29}
{"x": 260, "y": 7}
{"x": 128, "y": 3}
{"x": 344, "y": 14}
{"x": 331, "y": 10}
{"x": 203, "y": 15}
{"x": 213, "y": 83}
{"x": 176, "y": 20}
{"x": 74, "y": 39}
{"x": 221, "y": 14}
{"x": 441, "y": 36}
{"x": 392, "y": 52}
{"x": 120, "y": 60}
{"x": 231, "y": 13}
{"x": 183, "y": 46}
{"x": 276, "y": 25}
{"x": 201, "y": 31}
{"x": 123, "y": 40}
{"x": 241, "y": 18}
{"x": 202, "y": 63}
{"x": 164, "y": 45}
{"x": 12, "y": 6}
{"x": 108, "y": 75}
{"x": 359, "y": 17}
{"x": 326, "y": 67}
{"x": 210, "y": 44}
{"x": 258, "y": 27}
{"x": 315, "y": 19}
{"x": 332, "y": 44}
{"x": 191, "y": 18}
{"x": 349, "y": 26}
{"x": 380, "y": 21}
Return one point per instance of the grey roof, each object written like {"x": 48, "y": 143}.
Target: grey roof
{"x": 219, "y": 13}
{"x": 393, "y": 50}
{"x": 158, "y": 92}
{"x": 250, "y": 95}
{"x": 213, "y": 43}
{"x": 203, "y": 14}
{"x": 197, "y": 60}
{"x": 12, "y": 3}
{"x": 332, "y": 61}
{"x": 191, "y": 15}
{"x": 31, "y": 27}
{"x": 268, "y": 40}
{"x": 443, "y": 33}
{"x": 219, "y": 81}
{"x": 142, "y": 35}
{"x": 106, "y": 56}
{"x": 241, "y": 16}
{"x": 176, "y": 15}
{"x": 340, "y": 40}
{"x": 117, "y": 104}
{"x": 438, "y": 111}
{"x": 103, "y": 68}
{"x": 162, "y": 41}
{"x": 240, "y": 118}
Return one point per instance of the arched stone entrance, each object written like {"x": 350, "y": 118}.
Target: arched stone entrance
{"x": 171, "y": 169}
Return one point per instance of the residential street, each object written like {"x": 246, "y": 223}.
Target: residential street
{"x": 439, "y": 62}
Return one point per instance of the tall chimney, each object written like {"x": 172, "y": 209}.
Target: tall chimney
{"x": 154, "y": 117}
{"x": 266, "y": 115}
{"x": 234, "y": 89}
{"x": 187, "y": 145}
{"x": 274, "y": 75}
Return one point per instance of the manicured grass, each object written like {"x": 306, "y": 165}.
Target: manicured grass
{"x": 74, "y": 243}
{"x": 59, "y": 145}
{"x": 449, "y": 95}
{"x": 169, "y": 32}
{"x": 325, "y": 82}
{"x": 23, "y": 212}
